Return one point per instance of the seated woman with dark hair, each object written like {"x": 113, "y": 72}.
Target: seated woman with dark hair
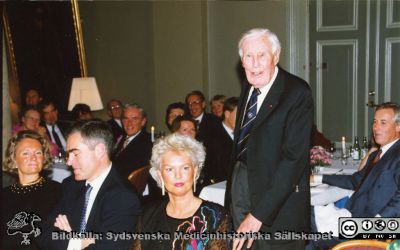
{"x": 176, "y": 163}
{"x": 81, "y": 112}
{"x": 174, "y": 110}
{"x": 184, "y": 125}
{"x": 30, "y": 199}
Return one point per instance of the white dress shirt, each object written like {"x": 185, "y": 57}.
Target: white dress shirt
{"x": 60, "y": 135}
{"x": 228, "y": 130}
{"x": 264, "y": 90}
{"x": 75, "y": 244}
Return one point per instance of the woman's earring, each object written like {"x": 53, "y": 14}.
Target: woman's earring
{"x": 194, "y": 184}
{"x": 162, "y": 187}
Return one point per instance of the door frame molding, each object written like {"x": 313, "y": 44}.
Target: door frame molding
{"x": 319, "y": 87}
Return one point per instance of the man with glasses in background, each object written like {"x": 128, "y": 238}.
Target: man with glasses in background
{"x": 114, "y": 110}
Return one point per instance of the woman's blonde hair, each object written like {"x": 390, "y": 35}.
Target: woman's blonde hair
{"x": 177, "y": 143}
{"x": 10, "y": 164}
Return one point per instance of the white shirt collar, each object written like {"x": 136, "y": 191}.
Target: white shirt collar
{"x": 264, "y": 90}
{"x": 118, "y": 121}
{"x": 96, "y": 185}
{"x": 228, "y": 130}
{"x": 387, "y": 146}
{"x": 130, "y": 138}
{"x": 199, "y": 118}
{"x": 58, "y": 131}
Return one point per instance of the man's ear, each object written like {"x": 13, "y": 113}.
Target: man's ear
{"x": 144, "y": 120}
{"x": 204, "y": 104}
{"x": 100, "y": 149}
{"x": 276, "y": 56}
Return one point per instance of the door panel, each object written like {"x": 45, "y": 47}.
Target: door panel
{"x": 354, "y": 59}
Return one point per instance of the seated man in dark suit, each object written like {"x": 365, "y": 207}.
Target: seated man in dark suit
{"x": 114, "y": 110}
{"x": 55, "y": 129}
{"x": 376, "y": 187}
{"x": 207, "y": 123}
{"x": 95, "y": 200}
{"x": 133, "y": 151}
{"x": 220, "y": 149}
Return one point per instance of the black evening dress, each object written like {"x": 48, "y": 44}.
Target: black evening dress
{"x": 24, "y": 209}
{"x": 208, "y": 219}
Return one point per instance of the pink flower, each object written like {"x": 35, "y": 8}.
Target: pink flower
{"x": 319, "y": 157}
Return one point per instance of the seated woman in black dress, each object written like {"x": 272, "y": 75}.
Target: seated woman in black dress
{"x": 176, "y": 163}
{"x": 26, "y": 203}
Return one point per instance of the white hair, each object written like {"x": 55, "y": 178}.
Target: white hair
{"x": 259, "y": 32}
{"x": 177, "y": 143}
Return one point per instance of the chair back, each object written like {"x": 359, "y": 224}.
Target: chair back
{"x": 139, "y": 178}
{"x": 361, "y": 244}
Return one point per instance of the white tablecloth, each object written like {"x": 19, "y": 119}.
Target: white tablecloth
{"x": 60, "y": 171}
{"x": 320, "y": 195}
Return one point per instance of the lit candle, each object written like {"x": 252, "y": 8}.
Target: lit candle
{"x": 344, "y": 145}
{"x": 152, "y": 133}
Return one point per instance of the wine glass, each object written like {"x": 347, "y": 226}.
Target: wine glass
{"x": 344, "y": 156}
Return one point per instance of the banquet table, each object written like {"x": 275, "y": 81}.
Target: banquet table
{"x": 320, "y": 194}
{"x": 60, "y": 171}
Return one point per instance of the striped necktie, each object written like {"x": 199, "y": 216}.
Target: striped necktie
{"x": 82, "y": 227}
{"x": 247, "y": 124}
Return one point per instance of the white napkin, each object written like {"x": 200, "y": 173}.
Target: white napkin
{"x": 327, "y": 218}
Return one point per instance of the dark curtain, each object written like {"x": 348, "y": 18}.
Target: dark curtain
{"x": 45, "y": 48}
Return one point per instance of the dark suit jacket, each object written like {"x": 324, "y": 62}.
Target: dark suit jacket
{"x": 136, "y": 155}
{"x": 380, "y": 191}
{"x": 207, "y": 127}
{"x": 116, "y": 129}
{"x": 278, "y": 154}
{"x": 218, "y": 155}
{"x": 115, "y": 209}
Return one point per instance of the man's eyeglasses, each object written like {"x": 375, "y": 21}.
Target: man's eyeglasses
{"x": 194, "y": 103}
{"x": 115, "y": 107}
{"x": 32, "y": 118}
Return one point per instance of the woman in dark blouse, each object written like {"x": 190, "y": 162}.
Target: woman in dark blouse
{"x": 26, "y": 203}
{"x": 176, "y": 163}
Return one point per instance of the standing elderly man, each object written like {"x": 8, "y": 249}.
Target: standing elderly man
{"x": 269, "y": 189}
{"x": 95, "y": 200}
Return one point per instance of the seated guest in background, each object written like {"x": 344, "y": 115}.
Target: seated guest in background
{"x": 174, "y": 110}
{"x": 81, "y": 112}
{"x": 217, "y": 105}
{"x": 318, "y": 139}
{"x": 133, "y": 151}
{"x": 114, "y": 110}
{"x": 32, "y": 197}
{"x": 32, "y": 97}
{"x": 30, "y": 120}
{"x": 206, "y": 123}
{"x": 376, "y": 187}
{"x": 184, "y": 125}
{"x": 220, "y": 150}
{"x": 176, "y": 163}
{"x": 55, "y": 129}
{"x": 95, "y": 199}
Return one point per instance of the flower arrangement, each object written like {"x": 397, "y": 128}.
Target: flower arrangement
{"x": 319, "y": 157}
